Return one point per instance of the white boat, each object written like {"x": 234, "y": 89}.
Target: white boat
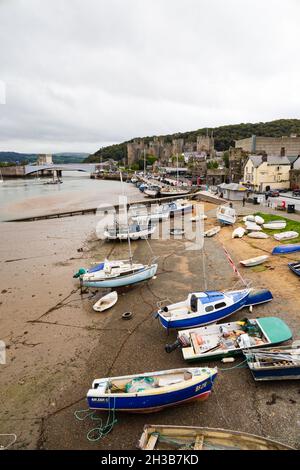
{"x": 157, "y": 213}
{"x": 238, "y": 232}
{"x": 259, "y": 220}
{"x": 152, "y": 191}
{"x": 179, "y": 207}
{"x": 164, "y": 192}
{"x": 275, "y": 225}
{"x": 286, "y": 235}
{"x": 252, "y": 226}
{"x": 249, "y": 218}
{"x": 112, "y": 274}
{"x": 212, "y": 231}
{"x": 106, "y": 302}
{"x": 257, "y": 235}
{"x": 255, "y": 261}
{"x": 226, "y": 215}
{"x": 134, "y": 231}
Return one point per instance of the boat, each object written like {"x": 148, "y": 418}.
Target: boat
{"x": 249, "y": 218}
{"x": 212, "y": 231}
{"x": 152, "y": 191}
{"x": 151, "y": 391}
{"x": 253, "y": 227}
{"x": 171, "y": 191}
{"x": 134, "y": 180}
{"x": 168, "y": 437}
{"x": 259, "y": 220}
{"x": 238, "y": 232}
{"x": 295, "y": 267}
{"x": 281, "y": 363}
{"x": 284, "y": 249}
{"x": 143, "y": 186}
{"x": 1, "y": 177}
{"x": 112, "y": 274}
{"x": 106, "y": 302}
{"x": 255, "y": 261}
{"x": 286, "y": 235}
{"x": 156, "y": 213}
{"x": 257, "y": 235}
{"x": 226, "y": 215}
{"x": 229, "y": 339}
{"x": 133, "y": 231}
{"x": 275, "y": 225}
{"x": 202, "y": 308}
{"x": 178, "y": 207}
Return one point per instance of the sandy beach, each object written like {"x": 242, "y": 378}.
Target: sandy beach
{"x": 56, "y": 344}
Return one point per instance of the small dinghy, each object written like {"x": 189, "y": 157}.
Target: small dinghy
{"x": 188, "y": 438}
{"x": 249, "y": 218}
{"x": 275, "y": 225}
{"x": 106, "y": 302}
{"x": 134, "y": 231}
{"x": 274, "y": 363}
{"x": 151, "y": 391}
{"x": 295, "y": 267}
{"x": 238, "y": 232}
{"x": 229, "y": 339}
{"x": 212, "y": 231}
{"x": 226, "y": 215}
{"x": 284, "y": 249}
{"x": 257, "y": 235}
{"x": 286, "y": 236}
{"x": 259, "y": 220}
{"x": 254, "y": 261}
{"x": 253, "y": 227}
{"x": 179, "y": 207}
{"x": 202, "y": 308}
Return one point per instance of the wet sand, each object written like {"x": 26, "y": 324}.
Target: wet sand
{"x": 57, "y": 345}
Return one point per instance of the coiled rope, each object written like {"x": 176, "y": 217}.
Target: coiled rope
{"x": 100, "y": 431}
{"x": 14, "y": 436}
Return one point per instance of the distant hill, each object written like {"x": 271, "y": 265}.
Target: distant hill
{"x": 66, "y": 157}
{"x": 224, "y": 136}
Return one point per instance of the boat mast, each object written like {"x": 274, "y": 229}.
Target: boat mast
{"x": 125, "y": 209}
{"x": 144, "y": 162}
{"x": 177, "y": 170}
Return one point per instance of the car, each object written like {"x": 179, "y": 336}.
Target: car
{"x": 272, "y": 193}
{"x": 296, "y": 192}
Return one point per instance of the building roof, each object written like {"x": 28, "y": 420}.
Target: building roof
{"x": 232, "y": 187}
{"x": 257, "y": 160}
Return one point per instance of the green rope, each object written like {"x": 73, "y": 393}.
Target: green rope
{"x": 102, "y": 430}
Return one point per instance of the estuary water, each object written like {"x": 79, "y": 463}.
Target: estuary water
{"x": 27, "y": 197}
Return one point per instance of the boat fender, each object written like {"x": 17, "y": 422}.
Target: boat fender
{"x": 171, "y": 347}
{"x": 165, "y": 309}
{"x": 127, "y": 315}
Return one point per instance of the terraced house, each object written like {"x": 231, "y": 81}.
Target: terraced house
{"x": 265, "y": 172}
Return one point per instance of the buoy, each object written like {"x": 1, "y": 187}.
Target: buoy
{"x": 250, "y": 308}
{"x": 228, "y": 359}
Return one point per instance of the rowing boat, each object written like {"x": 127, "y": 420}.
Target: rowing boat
{"x": 167, "y": 437}
{"x": 283, "y": 249}
{"x": 106, "y": 302}
{"x": 254, "y": 261}
{"x": 286, "y": 235}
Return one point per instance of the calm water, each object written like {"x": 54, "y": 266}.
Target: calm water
{"x": 22, "y": 197}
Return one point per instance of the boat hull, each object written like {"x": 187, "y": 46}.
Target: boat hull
{"x": 295, "y": 268}
{"x": 289, "y": 373}
{"x": 282, "y": 249}
{"x": 140, "y": 276}
{"x": 156, "y": 402}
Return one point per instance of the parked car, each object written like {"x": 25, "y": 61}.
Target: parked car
{"x": 296, "y": 192}
{"x": 285, "y": 190}
{"x": 272, "y": 193}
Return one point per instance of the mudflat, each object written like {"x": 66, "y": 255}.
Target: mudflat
{"x": 56, "y": 344}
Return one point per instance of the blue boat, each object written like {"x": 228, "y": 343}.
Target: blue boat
{"x": 295, "y": 267}
{"x": 274, "y": 363}
{"x": 202, "y": 308}
{"x": 283, "y": 249}
{"x": 151, "y": 391}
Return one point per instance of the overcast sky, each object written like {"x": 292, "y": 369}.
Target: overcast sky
{"x": 80, "y": 74}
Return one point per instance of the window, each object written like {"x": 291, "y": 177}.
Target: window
{"x": 209, "y": 308}
{"x": 220, "y": 305}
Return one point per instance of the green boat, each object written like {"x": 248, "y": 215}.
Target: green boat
{"x": 229, "y": 339}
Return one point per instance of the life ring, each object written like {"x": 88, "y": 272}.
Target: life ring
{"x": 127, "y": 315}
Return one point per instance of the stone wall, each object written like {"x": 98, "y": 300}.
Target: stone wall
{"x": 280, "y": 146}
{"x": 295, "y": 179}
{"x": 237, "y": 160}
{"x": 217, "y": 176}
{"x": 12, "y": 171}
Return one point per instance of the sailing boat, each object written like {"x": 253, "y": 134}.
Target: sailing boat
{"x": 117, "y": 273}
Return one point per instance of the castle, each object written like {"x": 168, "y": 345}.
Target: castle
{"x": 164, "y": 150}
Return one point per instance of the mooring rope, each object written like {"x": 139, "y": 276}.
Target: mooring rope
{"x": 14, "y": 436}
{"x": 102, "y": 430}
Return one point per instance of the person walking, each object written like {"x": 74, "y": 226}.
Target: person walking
{"x": 244, "y": 201}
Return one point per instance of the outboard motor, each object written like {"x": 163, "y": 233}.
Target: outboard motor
{"x": 181, "y": 342}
